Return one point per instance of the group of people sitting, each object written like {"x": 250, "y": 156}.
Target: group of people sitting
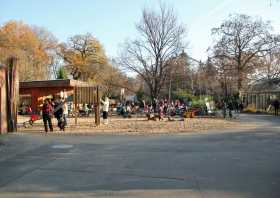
{"x": 155, "y": 109}
{"x": 161, "y": 108}
{"x": 57, "y": 107}
{"x": 165, "y": 108}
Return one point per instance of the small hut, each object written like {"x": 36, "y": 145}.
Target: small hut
{"x": 34, "y": 92}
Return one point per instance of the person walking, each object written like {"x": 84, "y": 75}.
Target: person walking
{"x": 276, "y": 105}
{"x": 105, "y": 109}
{"x": 47, "y": 111}
{"x": 230, "y": 108}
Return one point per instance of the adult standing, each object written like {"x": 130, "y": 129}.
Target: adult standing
{"x": 105, "y": 109}
{"x": 65, "y": 111}
{"x": 47, "y": 111}
{"x": 224, "y": 108}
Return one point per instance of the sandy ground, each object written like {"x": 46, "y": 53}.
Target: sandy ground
{"x": 138, "y": 125}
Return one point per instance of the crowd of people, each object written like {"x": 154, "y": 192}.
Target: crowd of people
{"x": 155, "y": 109}
{"x": 164, "y": 108}
{"x": 159, "y": 108}
{"x": 229, "y": 106}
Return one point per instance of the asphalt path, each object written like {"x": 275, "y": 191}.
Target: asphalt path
{"x": 240, "y": 163}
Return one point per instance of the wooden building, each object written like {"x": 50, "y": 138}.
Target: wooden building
{"x": 261, "y": 94}
{"x": 34, "y": 92}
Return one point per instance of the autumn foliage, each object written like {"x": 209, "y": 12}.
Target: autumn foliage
{"x": 31, "y": 45}
{"x": 41, "y": 57}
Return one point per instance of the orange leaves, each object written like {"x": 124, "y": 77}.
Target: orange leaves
{"x": 31, "y": 48}
{"x": 85, "y": 54}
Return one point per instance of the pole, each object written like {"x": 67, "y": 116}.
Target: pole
{"x": 169, "y": 91}
{"x": 97, "y": 107}
{"x": 75, "y": 104}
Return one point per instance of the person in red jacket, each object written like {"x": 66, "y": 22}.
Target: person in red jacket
{"x": 47, "y": 113}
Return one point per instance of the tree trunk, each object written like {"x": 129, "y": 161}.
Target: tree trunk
{"x": 239, "y": 83}
{"x": 239, "y": 74}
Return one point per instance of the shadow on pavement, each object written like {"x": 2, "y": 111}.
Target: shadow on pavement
{"x": 230, "y": 164}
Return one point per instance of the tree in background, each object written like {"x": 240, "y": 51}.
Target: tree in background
{"x": 207, "y": 81}
{"x": 61, "y": 73}
{"x": 114, "y": 80}
{"x": 159, "y": 40}
{"x": 269, "y": 67}
{"x": 226, "y": 77}
{"x": 84, "y": 57}
{"x": 179, "y": 77}
{"x": 50, "y": 45}
{"x": 30, "y": 46}
{"x": 240, "y": 41}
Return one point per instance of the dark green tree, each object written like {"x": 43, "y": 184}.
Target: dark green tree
{"x": 61, "y": 73}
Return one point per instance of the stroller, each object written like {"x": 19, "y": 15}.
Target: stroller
{"x": 30, "y": 122}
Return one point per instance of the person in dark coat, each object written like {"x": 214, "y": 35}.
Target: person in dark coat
{"x": 58, "y": 113}
{"x": 47, "y": 113}
{"x": 230, "y": 108}
{"x": 276, "y": 105}
{"x": 241, "y": 107}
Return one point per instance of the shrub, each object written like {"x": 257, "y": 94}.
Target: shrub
{"x": 250, "y": 109}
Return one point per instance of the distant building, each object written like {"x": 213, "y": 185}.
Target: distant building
{"x": 261, "y": 94}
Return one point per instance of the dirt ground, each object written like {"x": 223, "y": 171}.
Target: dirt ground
{"x": 137, "y": 125}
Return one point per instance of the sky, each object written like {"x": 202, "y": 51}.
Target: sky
{"x": 113, "y": 21}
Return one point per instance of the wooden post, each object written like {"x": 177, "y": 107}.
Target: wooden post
{"x": 75, "y": 105}
{"x": 3, "y": 100}
{"x": 97, "y": 109}
{"x": 12, "y": 93}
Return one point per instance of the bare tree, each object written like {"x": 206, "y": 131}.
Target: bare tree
{"x": 269, "y": 67}
{"x": 50, "y": 44}
{"x": 160, "y": 39}
{"x": 241, "y": 40}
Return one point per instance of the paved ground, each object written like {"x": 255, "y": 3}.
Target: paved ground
{"x": 240, "y": 163}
